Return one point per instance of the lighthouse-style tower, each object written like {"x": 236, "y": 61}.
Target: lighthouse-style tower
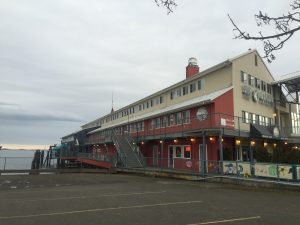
{"x": 192, "y": 67}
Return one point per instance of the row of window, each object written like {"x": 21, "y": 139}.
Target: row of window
{"x": 181, "y": 151}
{"x": 295, "y": 122}
{"x": 133, "y": 127}
{"x": 190, "y": 88}
{"x": 171, "y": 120}
{"x": 160, "y": 122}
{"x": 255, "y": 82}
{"x": 132, "y": 110}
{"x": 248, "y": 117}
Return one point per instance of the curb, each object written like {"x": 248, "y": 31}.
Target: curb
{"x": 246, "y": 182}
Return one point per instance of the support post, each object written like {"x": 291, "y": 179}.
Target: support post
{"x": 251, "y": 153}
{"x": 203, "y": 155}
{"x": 161, "y": 154}
{"x": 4, "y": 164}
{"x": 221, "y": 153}
{"x": 237, "y": 151}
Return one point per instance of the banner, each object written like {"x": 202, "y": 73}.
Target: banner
{"x": 270, "y": 170}
{"x": 241, "y": 168}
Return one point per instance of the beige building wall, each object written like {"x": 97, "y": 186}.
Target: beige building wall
{"x": 246, "y": 63}
{"x": 214, "y": 81}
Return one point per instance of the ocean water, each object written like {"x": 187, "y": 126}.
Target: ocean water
{"x": 16, "y": 159}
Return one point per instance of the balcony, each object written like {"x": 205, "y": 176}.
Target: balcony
{"x": 185, "y": 127}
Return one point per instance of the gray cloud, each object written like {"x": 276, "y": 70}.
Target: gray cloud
{"x": 7, "y": 104}
{"x": 25, "y": 117}
{"x": 60, "y": 60}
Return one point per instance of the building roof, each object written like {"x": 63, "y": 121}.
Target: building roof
{"x": 76, "y": 132}
{"x": 201, "y": 100}
{"x": 291, "y": 81}
{"x": 249, "y": 52}
{"x": 187, "y": 80}
{"x": 158, "y": 93}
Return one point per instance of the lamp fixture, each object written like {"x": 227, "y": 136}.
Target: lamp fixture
{"x": 265, "y": 144}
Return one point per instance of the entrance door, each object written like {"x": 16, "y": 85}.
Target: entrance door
{"x": 245, "y": 154}
{"x": 170, "y": 157}
{"x": 155, "y": 155}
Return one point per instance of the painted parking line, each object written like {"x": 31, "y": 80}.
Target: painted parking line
{"x": 227, "y": 221}
{"x": 93, "y": 196}
{"x": 99, "y": 210}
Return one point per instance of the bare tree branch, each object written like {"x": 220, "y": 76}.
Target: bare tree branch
{"x": 169, "y": 4}
{"x": 285, "y": 27}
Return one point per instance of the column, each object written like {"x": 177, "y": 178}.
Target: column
{"x": 221, "y": 152}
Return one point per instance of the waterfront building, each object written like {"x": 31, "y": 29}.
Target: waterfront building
{"x": 221, "y": 113}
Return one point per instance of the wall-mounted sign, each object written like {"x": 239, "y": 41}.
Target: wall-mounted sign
{"x": 254, "y": 96}
{"x": 262, "y": 97}
{"x": 202, "y": 114}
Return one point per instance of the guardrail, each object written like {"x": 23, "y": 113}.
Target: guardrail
{"x": 24, "y": 163}
{"x": 97, "y": 156}
{"x": 164, "y": 126}
{"x": 238, "y": 169}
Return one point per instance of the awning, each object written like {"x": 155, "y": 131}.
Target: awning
{"x": 260, "y": 131}
{"x": 291, "y": 81}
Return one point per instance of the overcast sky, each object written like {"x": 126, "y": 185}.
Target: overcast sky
{"x": 60, "y": 60}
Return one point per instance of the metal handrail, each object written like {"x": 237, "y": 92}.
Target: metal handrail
{"x": 122, "y": 154}
{"x": 133, "y": 146}
{"x": 211, "y": 121}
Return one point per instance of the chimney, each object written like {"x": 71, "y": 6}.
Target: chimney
{"x": 192, "y": 67}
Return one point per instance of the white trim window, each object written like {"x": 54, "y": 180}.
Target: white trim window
{"x": 152, "y": 126}
{"x": 172, "y": 120}
{"x": 186, "y": 117}
{"x": 244, "y": 77}
{"x": 161, "y": 99}
{"x": 185, "y": 90}
{"x": 192, "y": 87}
{"x": 178, "y": 118}
{"x": 201, "y": 84}
{"x": 157, "y": 123}
{"x": 181, "y": 151}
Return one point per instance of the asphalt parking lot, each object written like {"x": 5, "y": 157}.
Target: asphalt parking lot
{"x": 113, "y": 199}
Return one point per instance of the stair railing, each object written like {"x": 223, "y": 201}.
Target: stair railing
{"x": 121, "y": 153}
{"x": 139, "y": 156}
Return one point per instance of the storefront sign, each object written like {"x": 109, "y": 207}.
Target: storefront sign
{"x": 202, "y": 114}
{"x": 227, "y": 122}
{"x": 257, "y": 95}
{"x": 241, "y": 168}
{"x": 270, "y": 170}
{"x": 223, "y": 122}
